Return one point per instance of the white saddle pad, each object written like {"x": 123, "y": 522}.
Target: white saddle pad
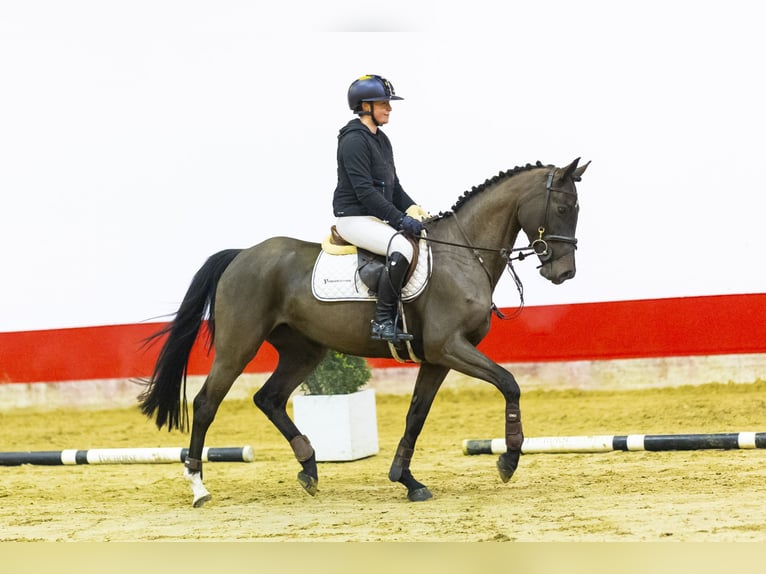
{"x": 335, "y": 277}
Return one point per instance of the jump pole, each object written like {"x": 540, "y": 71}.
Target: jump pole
{"x": 124, "y": 456}
{"x": 631, "y": 442}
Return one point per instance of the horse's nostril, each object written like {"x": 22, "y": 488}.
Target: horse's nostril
{"x": 566, "y": 275}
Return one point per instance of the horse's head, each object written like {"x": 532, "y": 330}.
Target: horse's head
{"x": 549, "y": 219}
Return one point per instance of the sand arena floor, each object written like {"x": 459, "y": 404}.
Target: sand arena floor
{"x": 617, "y": 496}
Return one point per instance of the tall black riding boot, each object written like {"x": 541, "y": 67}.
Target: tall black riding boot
{"x": 384, "y": 326}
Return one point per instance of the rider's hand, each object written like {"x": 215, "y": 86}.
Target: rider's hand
{"x": 410, "y": 225}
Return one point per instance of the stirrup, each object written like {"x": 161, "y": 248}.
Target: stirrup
{"x": 388, "y": 331}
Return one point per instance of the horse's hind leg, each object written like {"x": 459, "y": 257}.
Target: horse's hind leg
{"x": 217, "y": 384}
{"x": 298, "y": 357}
{"x": 430, "y": 378}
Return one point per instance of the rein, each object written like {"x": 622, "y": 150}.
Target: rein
{"x": 523, "y": 252}
{"x": 507, "y": 255}
{"x": 538, "y": 247}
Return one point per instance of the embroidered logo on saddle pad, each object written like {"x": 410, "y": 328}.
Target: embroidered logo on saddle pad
{"x": 338, "y": 277}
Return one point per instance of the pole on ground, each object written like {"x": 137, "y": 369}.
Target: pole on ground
{"x": 632, "y": 442}
{"x": 124, "y": 456}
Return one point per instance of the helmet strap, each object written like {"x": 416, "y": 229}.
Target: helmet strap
{"x": 371, "y": 113}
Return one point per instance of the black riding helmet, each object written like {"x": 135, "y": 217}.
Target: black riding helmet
{"x": 370, "y": 88}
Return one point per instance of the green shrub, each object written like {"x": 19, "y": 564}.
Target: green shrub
{"x": 337, "y": 374}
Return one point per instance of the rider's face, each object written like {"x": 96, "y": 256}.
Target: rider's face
{"x": 381, "y": 111}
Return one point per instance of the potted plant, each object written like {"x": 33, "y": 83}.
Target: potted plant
{"x": 337, "y": 415}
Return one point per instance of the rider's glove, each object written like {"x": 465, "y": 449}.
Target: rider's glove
{"x": 410, "y": 225}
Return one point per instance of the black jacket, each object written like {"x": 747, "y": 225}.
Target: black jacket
{"x": 367, "y": 181}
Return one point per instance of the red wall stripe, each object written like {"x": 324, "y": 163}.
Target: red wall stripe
{"x": 712, "y": 325}
{"x": 709, "y": 325}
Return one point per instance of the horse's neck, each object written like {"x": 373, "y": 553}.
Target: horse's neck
{"x": 490, "y": 220}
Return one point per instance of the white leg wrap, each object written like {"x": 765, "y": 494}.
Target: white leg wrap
{"x": 201, "y": 494}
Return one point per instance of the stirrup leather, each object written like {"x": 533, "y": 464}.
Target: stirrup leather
{"x": 392, "y": 347}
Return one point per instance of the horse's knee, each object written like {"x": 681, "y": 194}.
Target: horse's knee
{"x": 510, "y": 389}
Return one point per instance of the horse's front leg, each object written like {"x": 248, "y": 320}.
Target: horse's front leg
{"x": 430, "y": 378}
{"x": 464, "y": 357}
{"x": 514, "y": 436}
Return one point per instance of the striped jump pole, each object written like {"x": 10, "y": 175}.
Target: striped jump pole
{"x": 631, "y": 442}
{"x": 124, "y": 456}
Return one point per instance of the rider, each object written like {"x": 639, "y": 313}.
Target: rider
{"x": 369, "y": 202}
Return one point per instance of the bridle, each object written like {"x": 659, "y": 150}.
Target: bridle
{"x": 539, "y": 246}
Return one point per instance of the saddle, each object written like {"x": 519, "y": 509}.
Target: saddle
{"x": 345, "y": 272}
{"x": 370, "y": 265}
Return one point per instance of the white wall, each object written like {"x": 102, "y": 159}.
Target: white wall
{"x": 137, "y": 138}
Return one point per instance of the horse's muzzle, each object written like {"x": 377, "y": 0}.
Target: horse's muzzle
{"x": 559, "y": 270}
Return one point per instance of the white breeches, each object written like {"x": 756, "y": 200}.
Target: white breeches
{"x": 372, "y": 234}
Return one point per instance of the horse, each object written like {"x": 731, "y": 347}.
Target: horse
{"x": 263, "y": 293}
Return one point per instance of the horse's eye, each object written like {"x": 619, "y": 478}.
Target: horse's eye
{"x": 562, "y": 209}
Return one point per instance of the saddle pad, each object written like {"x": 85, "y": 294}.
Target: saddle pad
{"x": 335, "y": 277}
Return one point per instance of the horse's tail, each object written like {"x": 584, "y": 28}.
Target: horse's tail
{"x": 166, "y": 388}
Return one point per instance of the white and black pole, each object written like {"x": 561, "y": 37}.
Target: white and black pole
{"x": 123, "y": 456}
{"x": 631, "y": 442}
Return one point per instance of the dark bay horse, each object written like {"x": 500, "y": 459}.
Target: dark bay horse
{"x": 264, "y": 294}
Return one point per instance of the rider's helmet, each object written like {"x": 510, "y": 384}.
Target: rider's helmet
{"x": 370, "y": 88}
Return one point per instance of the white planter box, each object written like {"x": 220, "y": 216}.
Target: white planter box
{"x": 340, "y": 427}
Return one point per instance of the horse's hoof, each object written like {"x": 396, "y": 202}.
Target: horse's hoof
{"x": 202, "y": 500}
{"x": 419, "y": 494}
{"x": 506, "y": 469}
{"x": 308, "y": 482}
{"x": 505, "y": 474}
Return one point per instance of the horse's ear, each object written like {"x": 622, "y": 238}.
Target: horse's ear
{"x": 577, "y": 175}
{"x": 566, "y": 172}
{"x": 572, "y": 171}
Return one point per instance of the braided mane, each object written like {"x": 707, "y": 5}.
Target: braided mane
{"x": 467, "y": 195}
